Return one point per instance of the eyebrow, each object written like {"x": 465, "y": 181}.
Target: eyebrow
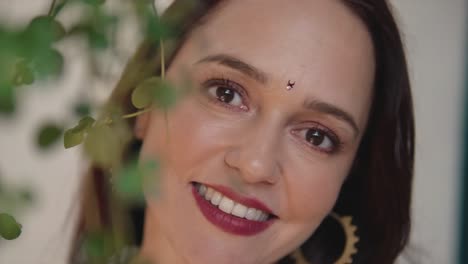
{"x": 261, "y": 77}
{"x": 330, "y": 109}
{"x": 237, "y": 64}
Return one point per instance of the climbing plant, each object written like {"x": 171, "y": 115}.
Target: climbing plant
{"x": 29, "y": 57}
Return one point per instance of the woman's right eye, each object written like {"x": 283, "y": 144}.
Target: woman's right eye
{"x": 225, "y": 94}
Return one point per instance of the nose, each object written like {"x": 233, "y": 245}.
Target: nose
{"x": 255, "y": 156}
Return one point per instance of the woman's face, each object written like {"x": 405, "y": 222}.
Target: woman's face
{"x": 272, "y": 157}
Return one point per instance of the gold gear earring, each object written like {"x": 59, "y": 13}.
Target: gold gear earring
{"x": 350, "y": 246}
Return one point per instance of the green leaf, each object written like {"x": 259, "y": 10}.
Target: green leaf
{"x": 25, "y": 196}
{"x": 98, "y": 244}
{"x": 48, "y": 135}
{"x": 72, "y": 138}
{"x": 9, "y": 228}
{"x": 96, "y": 35}
{"x": 75, "y": 135}
{"x": 48, "y": 63}
{"x": 46, "y": 29}
{"x": 155, "y": 28}
{"x": 165, "y": 95}
{"x": 154, "y": 90}
{"x": 98, "y": 26}
{"x": 142, "y": 96}
{"x": 102, "y": 145}
{"x": 97, "y": 40}
{"x": 85, "y": 123}
{"x": 7, "y": 98}
{"x": 151, "y": 180}
{"x": 94, "y": 2}
{"x": 23, "y": 74}
{"x": 82, "y": 109}
{"x": 158, "y": 30}
{"x": 130, "y": 180}
{"x": 38, "y": 37}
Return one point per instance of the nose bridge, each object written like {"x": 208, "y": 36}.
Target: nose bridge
{"x": 258, "y": 152}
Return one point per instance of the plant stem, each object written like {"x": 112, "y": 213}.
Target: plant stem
{"x": 161, "y": 42}
{"x": 163, "y": 66}
{"x": 52, "y": 7}
{"x": 153, "y": 5}
{"x": 136, "y": 113}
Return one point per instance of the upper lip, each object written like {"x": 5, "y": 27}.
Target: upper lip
{"x": 247, "y": 201}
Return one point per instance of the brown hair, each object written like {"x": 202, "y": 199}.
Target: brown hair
{"x": 377, "y": 192}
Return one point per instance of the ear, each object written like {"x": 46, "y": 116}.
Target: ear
{"x": 141, "y": 125}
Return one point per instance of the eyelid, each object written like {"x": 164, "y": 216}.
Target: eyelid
{"x": 218, "y": 81}
{"x": 223, "y": 81}
{"x": 227, "y": 82}
{"x": 328, "y": 133}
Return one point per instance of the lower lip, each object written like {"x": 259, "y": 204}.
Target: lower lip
{"x": 227, "y": 222}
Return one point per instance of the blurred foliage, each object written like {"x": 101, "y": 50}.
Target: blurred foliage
{"x": 9, "y": 228}
{"x": 130, "y": 180}
{"x": 49, "y": 133}
{"x": 102, "y": 145}
{"x": 11, "y": 200}
{"x": 82, "y": 109}
{"x": 153, "y": 27}
{"x": 96, "y": 27}
{"x": 29, "y": 55}
{"x": 99, "y": 246}
{"x": 76, "y": 135}
{"x": 156, "y": 91}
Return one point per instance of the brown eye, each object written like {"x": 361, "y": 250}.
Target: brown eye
{"x": 226, "y": 95}
{"x": 319, "y": 139}
{"x": 315, "y": 137}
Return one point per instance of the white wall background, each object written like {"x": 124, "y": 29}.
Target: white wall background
{"x": 435, "y": 33}
{"x": 435, "y": 38}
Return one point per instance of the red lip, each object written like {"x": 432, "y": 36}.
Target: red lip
{"x": 230, "y": 223}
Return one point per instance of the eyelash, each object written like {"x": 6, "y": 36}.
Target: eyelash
{"x": 237, "y": 88}
{"x": 226, "y": 83}
{"x": 328, "y": 134}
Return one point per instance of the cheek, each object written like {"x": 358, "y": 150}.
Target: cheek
{"x": 312, "y": 191}
{"x": 188, "y": 140}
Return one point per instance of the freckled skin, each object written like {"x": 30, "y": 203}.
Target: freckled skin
{"x": 260, "y": 152}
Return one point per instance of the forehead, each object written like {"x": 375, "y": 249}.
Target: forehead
{"x": 298, "y": 31}
{"x": 317, "y": 43}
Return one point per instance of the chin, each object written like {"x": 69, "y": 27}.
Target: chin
{"x": 198, "y": 241}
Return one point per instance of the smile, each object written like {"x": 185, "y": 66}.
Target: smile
{"x": 230, "y": 212}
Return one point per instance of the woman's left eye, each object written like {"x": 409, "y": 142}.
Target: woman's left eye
{"x": 320, "y": 138}
{"x": 226, "y": 95}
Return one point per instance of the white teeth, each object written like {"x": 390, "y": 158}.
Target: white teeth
{"x": 202, "y": 190}
{"x": 226, "y": 205}
{"x": 239, "y": 210}
{"x": 258, "y": 214}
{"x": 250, "y": 215}
{"x": 216, "y": 198}
{"x": 263, "y": 217}
{"x": 209, "y": 193}
{"x": 229, "y": 206}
